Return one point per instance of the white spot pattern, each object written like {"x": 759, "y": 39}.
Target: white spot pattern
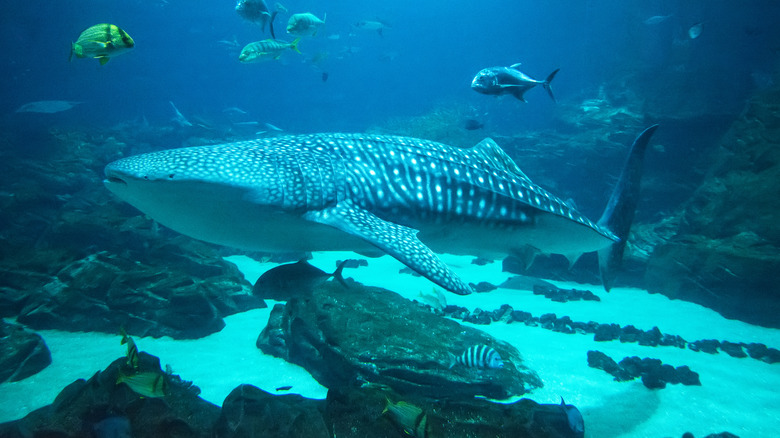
{"x": 404, "y": 176}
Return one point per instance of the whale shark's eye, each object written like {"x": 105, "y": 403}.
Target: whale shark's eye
{"x": 171, "y": 176}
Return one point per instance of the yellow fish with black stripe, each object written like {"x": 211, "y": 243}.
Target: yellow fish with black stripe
{"x": 102, "y": 42}
{"x": 146, "y": 384}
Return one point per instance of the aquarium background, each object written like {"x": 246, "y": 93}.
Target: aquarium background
{"x": 705, "y": 234}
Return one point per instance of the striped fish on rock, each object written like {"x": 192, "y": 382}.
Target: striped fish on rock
{"x": 478, "y": 356}
{"x": 407, "y": 197}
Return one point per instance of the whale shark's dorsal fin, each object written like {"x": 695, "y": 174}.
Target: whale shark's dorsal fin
{"x": 491, "y": 154}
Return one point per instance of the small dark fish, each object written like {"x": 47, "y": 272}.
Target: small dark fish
{"x": 573, "y": 415}
{"x": 113, "y": 427}
{"x": 472, "y": 124}
{"x": 353, "y": 263}
{"x": 284, "y": 388}
{"x": 522, "y": 282}
{"x": 324, "y": 76}
{"x": 293, "y": 280}
{"x": 478, "y": 356}
{"x": 497, "y": 81}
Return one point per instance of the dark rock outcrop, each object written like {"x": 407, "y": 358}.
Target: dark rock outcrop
{"x": 184, "y": 294}
{"x": 359, "y": 414}
{"x": 654, "y": 374}
{"x": 251, "y": 412}
{"x": 100, "y": 404}
{"x": 610, "y": 332}
{"x": 347, "y": 337}
{"x": 557, "y": 294}
{"x": 725, "y": 253}
{"x": 73, "y": 257}
{"x": 85, "y": 404}
{"x": 22, "y": 353}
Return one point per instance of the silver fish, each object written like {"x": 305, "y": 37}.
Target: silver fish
{"x": 497, "y": 81}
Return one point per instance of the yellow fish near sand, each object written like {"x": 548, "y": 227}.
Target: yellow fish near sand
{"x": 102, "y": 42}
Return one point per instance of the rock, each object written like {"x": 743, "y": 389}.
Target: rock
{"x": 334, "y": 336}
{"x": 607, "y": 332}
{"x": 251, "y": 412}
{"x": 654, "y": 373}
{"x": 761, "y": 352}
{"x": 22, "y": 354}
{"x": 359, "y": 414}
{"x": 479, "y": 317}
{"x": 685, "y": 376}
{"x": 555, "y": 293}
{"x": 732, "y": 349}
{"x": 651, "y": 337}
{"x": 668, "y": 340}
{"x": 102, "y": 292}
{"x": 724, "y": 253}
{"x": 597, "y": 359}
{"x": 547, "y": 320}
{"x": 503, "y": 313}
{"x": 73, "y": 257}
{"x": 83, "y": 405}
{"x": 706, "y": 345}
{"x": 520, "y": 316}
{"x": 630, "y": 333}
{"x": 456, "y": 312}
{"x": 563, "y": 324}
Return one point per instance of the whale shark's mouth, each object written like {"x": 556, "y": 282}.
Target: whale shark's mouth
{"x": 115, "y": 180}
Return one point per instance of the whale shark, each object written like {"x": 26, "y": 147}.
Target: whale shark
{"x": 373, "y": 194}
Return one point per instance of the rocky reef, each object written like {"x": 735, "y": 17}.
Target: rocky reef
{"x": 73, "y": 258}
{"x": 654, "y": 373}
{"x": 724, "y": 253}
{"x": 106, "y": 406}
{"x": 22, "y": 353}
{"x": 356, "y": 336}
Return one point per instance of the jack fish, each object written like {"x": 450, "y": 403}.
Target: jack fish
{"x": 407, "y": 197}
{"x": 497, "y": 81}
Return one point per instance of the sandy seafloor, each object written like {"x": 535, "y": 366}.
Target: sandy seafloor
{"x": 737, "y": 395}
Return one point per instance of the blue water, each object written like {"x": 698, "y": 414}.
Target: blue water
{"x": 428, "y": 57}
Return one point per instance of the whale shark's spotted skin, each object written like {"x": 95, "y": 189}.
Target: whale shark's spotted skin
{"x": 380, "y": 189}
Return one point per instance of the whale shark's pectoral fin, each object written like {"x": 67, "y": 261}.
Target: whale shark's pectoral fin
{"x": 397, "y": 240}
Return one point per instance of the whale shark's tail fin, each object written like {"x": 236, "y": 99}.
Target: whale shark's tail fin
{"x": 619, "y": 212}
